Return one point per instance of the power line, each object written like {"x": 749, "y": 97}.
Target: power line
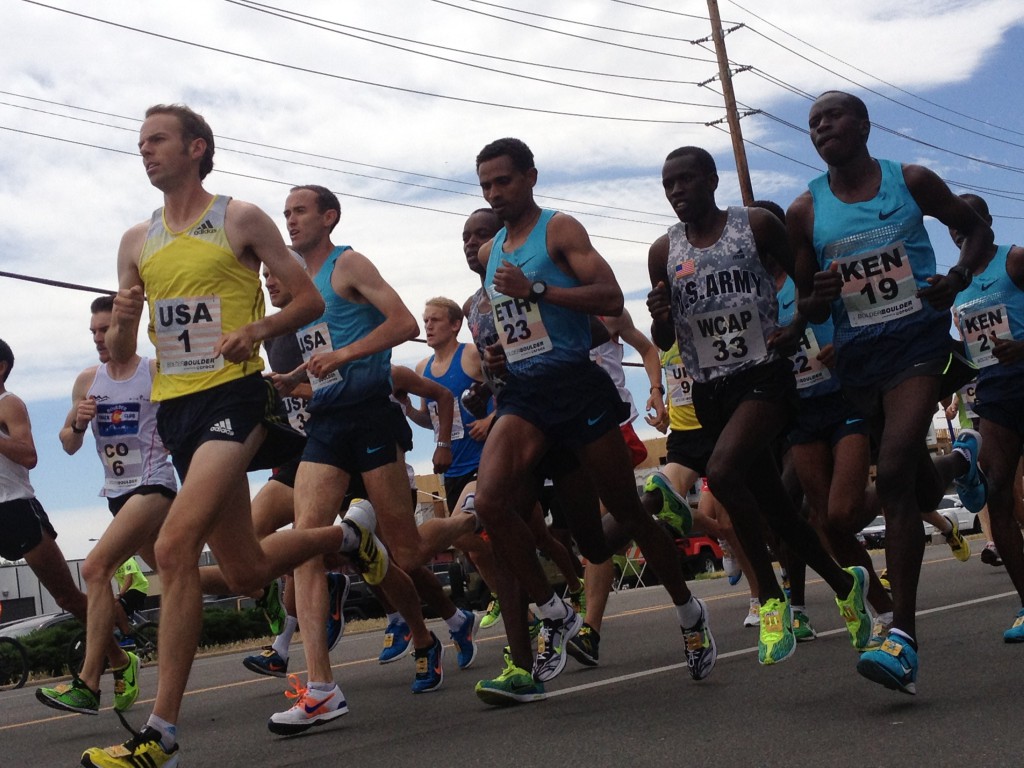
{"x": 334, "y": 76}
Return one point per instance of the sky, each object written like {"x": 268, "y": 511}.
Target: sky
{"x": 387, "y": 103}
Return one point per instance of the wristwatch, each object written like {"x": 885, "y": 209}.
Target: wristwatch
{"x": 537, "y": 290}
{"x": 443, "y": 444}
{"x": 963, "y": 273}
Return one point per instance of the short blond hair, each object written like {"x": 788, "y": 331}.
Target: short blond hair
{"x": 454, "y": 310}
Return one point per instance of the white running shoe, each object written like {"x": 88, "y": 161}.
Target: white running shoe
{"x": 311, "y": 708}
{"x": 753, "y": 618}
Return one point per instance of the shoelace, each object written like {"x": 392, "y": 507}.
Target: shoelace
{"x": 300, "y": 691}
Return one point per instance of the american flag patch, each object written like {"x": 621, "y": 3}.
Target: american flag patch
{"x": 685, "y": 268}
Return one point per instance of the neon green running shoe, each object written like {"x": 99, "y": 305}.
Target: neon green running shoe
{"x": 272, "y": 607}
{"x": 126, "y": 683}
{"x": 802, "y": 629}
{"x": 579, "y": 601}
{"x": 674, "y": 509}
{"x": 493, "y": 614}
{"x": 853, "y": 611}
{"x": 75, "y": 696}
{"x": 776, "y": 642}
{"x": 513, "y": 686}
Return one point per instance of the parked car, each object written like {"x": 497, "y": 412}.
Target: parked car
{"x": 873, "y": 535}
{"x": 23, "y": 627}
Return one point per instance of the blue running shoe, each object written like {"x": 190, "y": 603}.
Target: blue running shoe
{"x": 267, "y": 662}
{"x": 1015, "y": 634}
{"x": 397, "y": 641}
{"x": 465, "y": 645}
{"x": 429, "y": 671}
{"x": 337, "y": 593}
{"x": 972, "y": 486}
{"x": 894, "y": 665}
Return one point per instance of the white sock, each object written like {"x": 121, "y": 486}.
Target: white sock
{"x": 456, "y": 621}
{"x": 689, "y": 613}
{"x": 884, "y": 618}
{"x": 393, "y": 617}
{"x": 800, "y": 608}
{"x": 321, "y": 687}
{"x": 283, "y": 641}
{"x": 554, "y": 609}
{"x": 904, "y": 635}
{"x": 168, "y": 733}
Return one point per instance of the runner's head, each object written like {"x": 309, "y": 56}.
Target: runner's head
{"x": 442, "y": 319}
{"x": 280, "y": 297}
{"x": 6, "y": 361}
{"x": 101, "y": 309}
{"x": 776, "y": 210}
{"x": 507, "y": 176}
{"x": 481, "y": 226}
{"x": 311, "y": 213}
{"x": 188, "y": 126}
{"x": 690, "y": 178}
{"x": 839, "y": 127}
{"x": 980, "y": 207}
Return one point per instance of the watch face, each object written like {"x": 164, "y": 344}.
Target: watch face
{"x": 538, "y": 288}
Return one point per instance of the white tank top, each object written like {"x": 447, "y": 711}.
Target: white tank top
{"x": 125, "y": 430}
{"x": 14, "y": 482}
{"x": 609, "y": 356}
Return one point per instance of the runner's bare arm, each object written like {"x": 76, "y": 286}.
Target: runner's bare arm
{"x": 19, "y": 447}
{"x": 629, "y": 333}
{"x": 659, "y": 300}
{"x": 122, "y": 336}
{"x": 409, "y": 381}
{"x": 815, "y": 289}
{"x": 83, "y": 410}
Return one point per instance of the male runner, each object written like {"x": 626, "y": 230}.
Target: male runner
{"x": 544, "y": 278}
{"x": 196, "y": 262}
{"x": 355, "y": 428}
{"x": 863, "y": 254}
{"x": 711, "y": 292}
{"x": 991, "y": 317}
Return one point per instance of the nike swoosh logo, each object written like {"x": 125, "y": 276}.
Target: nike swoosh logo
{"x": 883, "y": 215}
{"x": 787, "y": 305}
{"x": 593, "y": 421}
{"x": 318, "y": 705}
{"x": 986, "y": 286}
{"x": 853, "y": 421}
{"x": 374, "y": 450}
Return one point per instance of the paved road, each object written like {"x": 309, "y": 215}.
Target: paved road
{"x": 639, "y": 708}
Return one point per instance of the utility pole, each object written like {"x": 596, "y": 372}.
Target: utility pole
{"x": 738, "y": 150}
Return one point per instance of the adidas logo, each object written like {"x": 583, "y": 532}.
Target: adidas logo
{"x": 224, "y": 427}
{"x": 206, "y": 228}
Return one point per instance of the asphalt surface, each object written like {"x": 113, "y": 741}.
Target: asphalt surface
{"x": 638, "y": 708}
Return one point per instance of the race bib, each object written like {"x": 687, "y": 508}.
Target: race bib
{"x": 458, "y": 430}
{"x": 878, "y": 285}
{"x": 728, "y": 337}
{"x": 980, "y": 329}
{"x": 807, "y": 368}
{"x": 117, "y": 429}
{"x": 520, "y": 327}
{"x": 187, "y": 332}
{"x": 680, "y": 385}
{"x": 312, "y": 341}
{"x": 295, "y": 407}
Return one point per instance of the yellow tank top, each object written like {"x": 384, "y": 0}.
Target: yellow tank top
{"x": 196, "y": 290}
{"x": 681, "y": 414}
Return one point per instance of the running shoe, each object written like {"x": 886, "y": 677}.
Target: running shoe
{"x": 673, "y": 506}
{"x": 551, "y": 645}
{"x": 584, "y": 647}
{"x": 853, "y": 610}
{"x": 429, "y": 669}
{"x": 578, "y": 600}
{"x": 465, "y": 645}
{"x": 337, "y": 592}
{"x": 879, "y": 630}
{"x": 75, "y": 696}
{"x": 311, "y": 708}
{"x": 142, "y": 749}
{"x": 534, "y": 625}
{"x": 730, "y": 564}
{"x": 493, "y": 614}
{"x": 990, "y": 555}
{"x": 126, "y": 684}
{"x": 272, "y": 607}
{"x": 753, "y": 617}
{"x": 701, "y": 651}
{"x": 775, "y": 642}
{"x": 267, "y": 662}
{"x": 369, "y": 557}
{"x": 513, "y": 686}
{"x": 397, "y": 641}
{"x": 971, "y": 487}
{"x": 1015, "y": 634}
{"x": 960, "y": 547}
{"x": 802, "y": 629}
{"x": 894, "y": 665}
{"x": 883, "y": 579}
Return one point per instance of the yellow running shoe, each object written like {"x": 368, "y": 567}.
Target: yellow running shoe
{"x": 143, "y": 749}
{"x": 776, "y": 641}
{"x": 960, "y": 547}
